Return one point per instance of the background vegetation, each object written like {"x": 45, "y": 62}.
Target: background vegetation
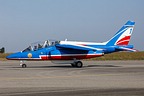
{"x": 112, "y": 56}
{"x": 3, "y": 56}
{"x": 122, "y": 56}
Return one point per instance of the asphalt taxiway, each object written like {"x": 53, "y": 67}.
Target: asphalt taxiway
{"x": 96, "y": 78}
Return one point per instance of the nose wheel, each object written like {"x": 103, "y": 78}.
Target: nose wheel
{"x": 22, "y": 64}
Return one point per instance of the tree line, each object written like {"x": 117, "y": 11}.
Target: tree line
{"x": 2, "y": 50}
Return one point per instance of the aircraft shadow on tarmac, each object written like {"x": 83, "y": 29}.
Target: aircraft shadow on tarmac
{"x": 68, "y": 66}
{"x": 103, "y": 66}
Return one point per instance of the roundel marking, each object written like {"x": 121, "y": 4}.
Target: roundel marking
{"x": 29, "y": 55}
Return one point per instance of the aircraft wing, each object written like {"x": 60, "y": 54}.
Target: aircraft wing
{"x": 78, "y": 47}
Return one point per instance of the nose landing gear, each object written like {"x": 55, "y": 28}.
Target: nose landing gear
{"x": 22, "y": 64}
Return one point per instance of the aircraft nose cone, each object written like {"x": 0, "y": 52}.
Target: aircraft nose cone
{"x": 13, "y": 56}
{"x": 9, "y": 57}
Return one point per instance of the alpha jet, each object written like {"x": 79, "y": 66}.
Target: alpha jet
{"x": 73, "y": 52}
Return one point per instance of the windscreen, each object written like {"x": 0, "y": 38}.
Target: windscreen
{"x": 38, "y": 45}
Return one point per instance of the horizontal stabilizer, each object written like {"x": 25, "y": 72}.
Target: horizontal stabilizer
{"x": 126, "y": 49}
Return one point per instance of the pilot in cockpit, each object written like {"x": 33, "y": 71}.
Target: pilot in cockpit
{"x": 46, "y": 44}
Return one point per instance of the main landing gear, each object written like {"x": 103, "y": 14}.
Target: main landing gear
{"x": 77, "y": 64}
{"x": 22, "y": 64}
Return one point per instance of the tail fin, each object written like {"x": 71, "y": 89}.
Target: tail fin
{"x": 122, "y": 37}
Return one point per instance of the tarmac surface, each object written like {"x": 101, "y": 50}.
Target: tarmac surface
{"x": 96, "y": 78}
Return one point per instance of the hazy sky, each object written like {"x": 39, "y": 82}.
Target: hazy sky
{"x": 25, "y": 21}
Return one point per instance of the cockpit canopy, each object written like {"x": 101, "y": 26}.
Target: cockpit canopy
{"x": 38, "y": 45}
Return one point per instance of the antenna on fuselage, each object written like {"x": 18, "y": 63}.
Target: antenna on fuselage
{"x": 65, "y": 39}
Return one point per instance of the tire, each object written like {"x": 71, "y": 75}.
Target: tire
{"x": 79, "y": 64}
{"x": 24, "y": 65}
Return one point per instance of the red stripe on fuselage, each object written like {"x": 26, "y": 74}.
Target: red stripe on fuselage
{"x": 59, "y": 57}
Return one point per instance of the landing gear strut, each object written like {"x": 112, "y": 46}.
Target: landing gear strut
{"x": 77, "y": 64}
{"x": 22, "y": 64}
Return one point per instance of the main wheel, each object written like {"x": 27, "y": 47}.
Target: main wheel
{"x": 79, "y": 64}
{"x": 24, "y": 65}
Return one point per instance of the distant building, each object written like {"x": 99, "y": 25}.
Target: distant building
{"x": 2, "y": 50}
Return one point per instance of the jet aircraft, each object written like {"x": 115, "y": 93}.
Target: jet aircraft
{"x": 72, "y": 51}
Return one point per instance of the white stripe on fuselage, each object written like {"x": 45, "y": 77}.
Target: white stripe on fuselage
{"x": 71, "y": 54}
{"x": 82, "y": 43}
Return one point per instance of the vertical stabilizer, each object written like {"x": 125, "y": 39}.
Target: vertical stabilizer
{"x": 122, "y": 37}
